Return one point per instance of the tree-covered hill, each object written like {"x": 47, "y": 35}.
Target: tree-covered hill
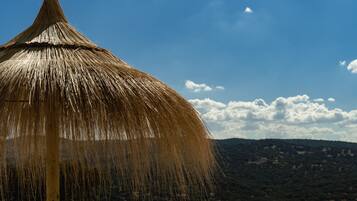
{"x": 282, "y": 170}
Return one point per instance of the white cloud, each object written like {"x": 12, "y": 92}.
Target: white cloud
{"x": 285, "y": 117}
{"x": 220, "y": 87}
{"x": 319, "y": 100}
{"x": 195, "y": 87}
{"x": 248, "y": 10}
{"x": 331, "y": 100}
{"x": 352, "y": 66}
{"x": 207, "y": 105}
{"x": 217, "y": 16}
{"x": 342, "y": 63}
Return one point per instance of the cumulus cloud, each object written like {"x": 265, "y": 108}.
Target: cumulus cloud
{"x": 248, "y": 10}
{"x": 207, "y": 105}
{"x": 196, "y": 87}
{"x": 331, "y": 100}
{"x": 285, "y": 117}
{"x": 220, "y": 87}
{"x": 352, "y": 66}
{"x": 319, "y": 100}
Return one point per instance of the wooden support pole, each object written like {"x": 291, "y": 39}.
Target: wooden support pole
{"x": 3, "y": 167}
{"x": 52, "y": 158}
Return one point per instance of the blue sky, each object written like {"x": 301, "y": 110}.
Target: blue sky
{"x": 292, "y": 49}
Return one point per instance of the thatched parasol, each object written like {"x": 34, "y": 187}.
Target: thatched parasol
{"x": 68, "y": 106}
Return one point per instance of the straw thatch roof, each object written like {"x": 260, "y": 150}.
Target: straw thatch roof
{"x": 105, "y": 111}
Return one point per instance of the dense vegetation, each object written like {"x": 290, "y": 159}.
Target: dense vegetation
{"x": 291, "y": 170}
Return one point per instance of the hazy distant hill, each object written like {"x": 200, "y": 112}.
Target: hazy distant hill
{"x": 287, "y": 170}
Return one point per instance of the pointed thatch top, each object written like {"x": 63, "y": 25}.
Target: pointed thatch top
{"x": 50, "y": 13}
{"x": 51, "y": 28}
